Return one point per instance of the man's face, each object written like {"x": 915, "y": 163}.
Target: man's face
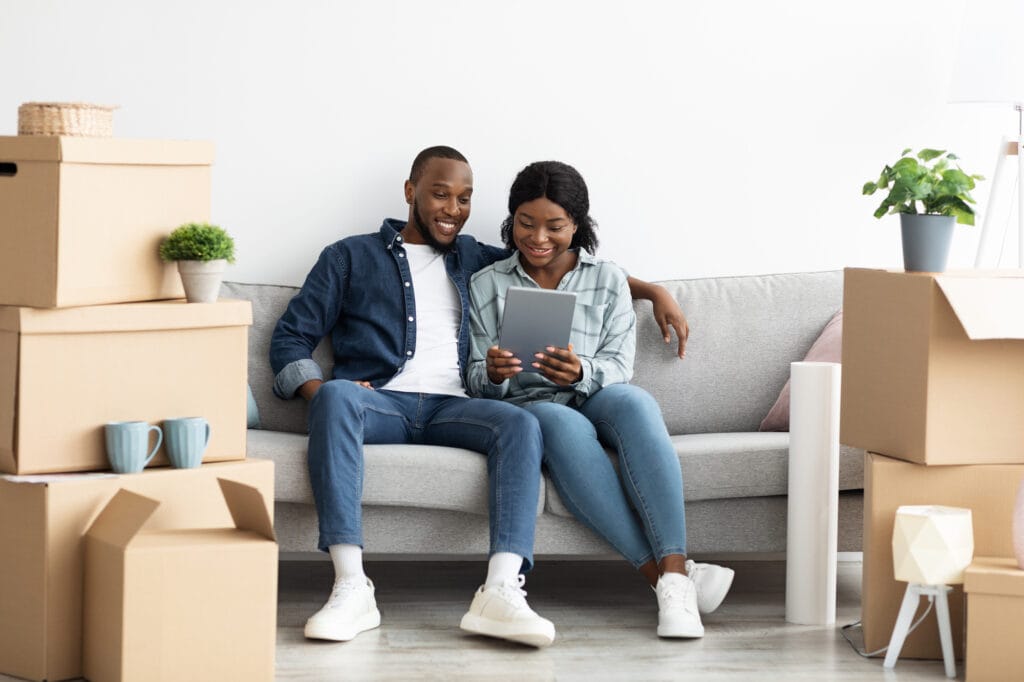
{"x": 439, "y": 203}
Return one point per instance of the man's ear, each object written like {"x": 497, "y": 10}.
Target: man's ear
{"x": 410, "y": 192}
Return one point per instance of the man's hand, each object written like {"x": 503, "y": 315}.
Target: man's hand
{"x": 309, "y": 389}
{"x": 667, "y": 313}
{"x": 501, "y": 365}
{"x": 560, "y": 365}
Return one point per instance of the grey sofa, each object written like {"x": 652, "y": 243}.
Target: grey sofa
{"x": 431, "y": 501}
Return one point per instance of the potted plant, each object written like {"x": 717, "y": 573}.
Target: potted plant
{"x": 201, "y": 250}
{"x": 930, "y": 194}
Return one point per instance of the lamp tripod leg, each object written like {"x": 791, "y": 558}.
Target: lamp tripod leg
{"x": 899, "y": 632}
{"x": 945, "y": 632}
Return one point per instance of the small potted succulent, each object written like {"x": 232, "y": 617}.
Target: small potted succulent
{"x": 930, "y": 193}
{"x": 201, "y": 250}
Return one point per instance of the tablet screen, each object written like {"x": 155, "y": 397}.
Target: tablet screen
{"x": 534, "y": 319}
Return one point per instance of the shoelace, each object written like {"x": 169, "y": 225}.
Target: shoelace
{"x": 342, "y": 588}
{"x": 514, "y": 591}
{"x": 675, "y": 593}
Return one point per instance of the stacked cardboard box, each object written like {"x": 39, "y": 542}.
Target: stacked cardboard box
{"x": 92, "y": 330}
{"x": 933, "y": 367}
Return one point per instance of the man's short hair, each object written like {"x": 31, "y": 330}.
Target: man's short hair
{"x": 438, "y": 152}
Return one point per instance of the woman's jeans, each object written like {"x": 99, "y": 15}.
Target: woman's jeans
{"x": 344, "y": 415}
{"x": 629, "y": 420}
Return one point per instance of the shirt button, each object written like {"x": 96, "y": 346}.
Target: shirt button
{"x": 399, "y": 238}
{"x": 401, "y": 255}
{"x": 407, "y": 284}
{"x": 410, "y": 318}
{"x": 408, "y": 352}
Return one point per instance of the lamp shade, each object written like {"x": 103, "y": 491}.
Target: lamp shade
{"x": 989, "y": 65}
{"x": 932, "y": 545}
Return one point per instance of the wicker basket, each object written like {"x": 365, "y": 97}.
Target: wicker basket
{"x": 65, "y": 118}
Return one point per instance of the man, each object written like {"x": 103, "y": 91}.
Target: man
{"x": 396, "y": 305}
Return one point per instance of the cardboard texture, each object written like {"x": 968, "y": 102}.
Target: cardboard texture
{"x": 933, "y": 366}
{"x": 81, "y": 219}
{"x": 988, "y": 490}
{"x": 198, "y": 604}
{"x": 43, "y": 520}
{"x": 64, "y": 373}
{"x": 995, "y": 620}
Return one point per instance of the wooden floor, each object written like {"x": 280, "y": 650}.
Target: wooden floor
{"x": 605, "y": 619}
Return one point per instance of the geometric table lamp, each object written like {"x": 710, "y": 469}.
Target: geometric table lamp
{"x": 932, "y": 546}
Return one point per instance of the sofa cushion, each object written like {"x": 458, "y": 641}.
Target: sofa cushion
{"x": 730, "y": 465}
{"x": 422, "y": 476}
{"x": 744, "y": 333}
{"x": 268, "y": 304}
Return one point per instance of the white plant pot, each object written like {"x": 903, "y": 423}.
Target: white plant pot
{"x": 201, "y": 279}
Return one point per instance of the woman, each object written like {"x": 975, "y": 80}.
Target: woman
{"x": 581, "y": 396}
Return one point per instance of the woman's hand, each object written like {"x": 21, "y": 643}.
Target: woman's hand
{"x": 501, "y": 365}
{"x": 560, "y": 365}
{"x": 667, "y": 313}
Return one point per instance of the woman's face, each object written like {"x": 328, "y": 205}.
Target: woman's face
{"x": 542, "y": 232}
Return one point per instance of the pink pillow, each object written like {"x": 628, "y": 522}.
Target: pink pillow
{"x": 828, "y": 347}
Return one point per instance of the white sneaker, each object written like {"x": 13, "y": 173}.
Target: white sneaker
{"x": 351, "y": 609}
{"x": 502, "y": 612}
{"x": 712, "y": 583}
{"x": 677, "y": 607}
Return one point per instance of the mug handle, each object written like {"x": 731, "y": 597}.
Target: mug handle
{"x": 159, "y": 440}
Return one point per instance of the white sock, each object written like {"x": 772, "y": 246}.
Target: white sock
{"x": 348, "y": 561}
{"x": 502, "y": 567}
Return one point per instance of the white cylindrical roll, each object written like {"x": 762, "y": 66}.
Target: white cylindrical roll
{"x": 812, "y": 524}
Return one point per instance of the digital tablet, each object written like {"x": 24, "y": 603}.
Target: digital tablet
{"x": 534, "y": 319}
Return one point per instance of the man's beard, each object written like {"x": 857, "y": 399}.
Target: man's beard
{"x": 428, "y": 237}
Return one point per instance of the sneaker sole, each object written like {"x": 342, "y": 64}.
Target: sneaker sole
{"x": 714, "y": 587}
{"x": 368, "y": 621}
{"x": 537, "y": 637}
{"x": 680, "y": 632}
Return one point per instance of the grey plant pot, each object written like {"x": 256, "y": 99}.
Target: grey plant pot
{"x": 926, "y": 240}
{"x": 201, "y": 279}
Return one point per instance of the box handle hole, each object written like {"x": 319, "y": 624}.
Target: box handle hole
{"x": 8, "y": 169}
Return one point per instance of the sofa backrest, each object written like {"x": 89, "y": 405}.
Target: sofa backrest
{"x": 744, "y": 332}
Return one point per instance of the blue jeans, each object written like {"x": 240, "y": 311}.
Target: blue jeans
{"x": 343, "y": 416}
{"x": 629, "y": 420}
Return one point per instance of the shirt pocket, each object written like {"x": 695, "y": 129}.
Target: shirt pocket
{"x": 588, "y": 328}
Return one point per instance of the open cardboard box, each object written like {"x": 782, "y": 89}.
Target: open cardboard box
{"x": 81, "y": 219}
{"x": 181, "y": 604}
{"x": 43, "y": 520}
{"x": 933, "y": 365}
{"x": 995, "y": 619}
{"x": 988, "y": 490}
{"x": 64, "y": 373}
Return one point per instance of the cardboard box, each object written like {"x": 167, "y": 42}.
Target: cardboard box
{"x": 933, "y": 366}
{"x": 64, "y": 373}
{"x": 988, "y": 490}
{"x": 81, "y": 219}
{"x": 181, "y": 604}
{"x": 995, "y": 620}
{"x": 43, "y": 520}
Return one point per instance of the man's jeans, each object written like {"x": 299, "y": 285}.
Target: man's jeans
{"x": 344, "y": 415}
{"x": 629, "y": 420}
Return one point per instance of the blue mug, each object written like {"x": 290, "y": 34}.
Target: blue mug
{"x": 128, "y": 445}
{"x": 187, "y": 438}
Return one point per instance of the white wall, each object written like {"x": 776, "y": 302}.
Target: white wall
{"x": 724, "y": 137}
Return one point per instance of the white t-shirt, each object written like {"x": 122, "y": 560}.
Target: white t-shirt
{"x": 434, "y": 368}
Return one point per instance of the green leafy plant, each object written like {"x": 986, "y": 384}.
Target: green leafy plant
{"x": 929, "y": 179}
{"x": 198, "y": 241}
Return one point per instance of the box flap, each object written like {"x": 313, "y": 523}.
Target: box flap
{"x": 994, "y": 575}
{"x": 247, "y": 507}
{"x": 123, "y": 317}
{"x": 122, "y": 518}
{"x": 8, "y": 401}
{"x": 106, "y": 150}
{"x": 987, "y": 307}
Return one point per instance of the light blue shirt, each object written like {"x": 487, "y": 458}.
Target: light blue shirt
{"x": 603, "y": 330}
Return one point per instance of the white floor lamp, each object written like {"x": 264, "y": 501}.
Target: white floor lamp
{"x": 990, "y": 68}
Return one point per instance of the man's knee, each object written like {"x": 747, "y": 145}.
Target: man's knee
{"x": 336, "y": 397}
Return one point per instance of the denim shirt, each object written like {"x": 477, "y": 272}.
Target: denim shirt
{"x": 361, "y": 292}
